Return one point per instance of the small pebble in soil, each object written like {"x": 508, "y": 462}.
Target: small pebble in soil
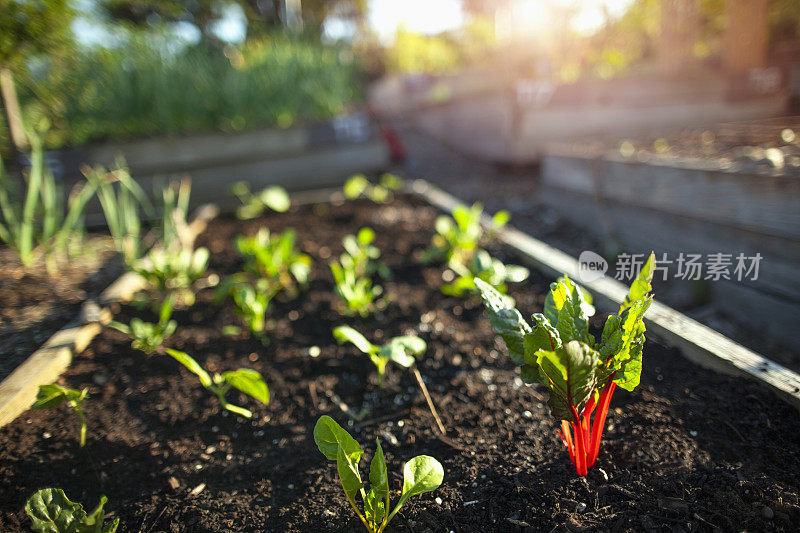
{"x": 401, "y": 423}
{"x": 215, "y": 429}
{"x": 290, "y": 486}
{"x": 438, "y": 501}
{"x": 581, "y": 507}
{"x": 527, "y": 414}
{"x": 768, "y": 513}
{"x": 314, "y": 351}
{"x": 46, "y": 435}
{"x": 693, "y": 433}
{"x": 229, "y": 457}
{"x": 198, "y": 467}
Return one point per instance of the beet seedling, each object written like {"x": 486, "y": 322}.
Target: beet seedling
{"x": 559, "y": 352}
{"x": 274, "y": 261}
{"x": 401, "y": 350}
{"x": 146, "y": 336}
{"x": 421, "y": 474}
{"x": 174, "y": 271}
{"x": 53, "y": 395}
{"x": 358, "y": 185}
{"x": 352, "y": 273}
{"x": 51, "y": 511}
{"x": 245, "y": 380}
{"x": 457, "y": 238}
{"x": 486, "y": 268}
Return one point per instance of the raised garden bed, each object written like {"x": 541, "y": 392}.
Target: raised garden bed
{"x": 688, "y": 450}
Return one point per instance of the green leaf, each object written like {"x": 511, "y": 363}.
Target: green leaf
{"x": 421, "y": 474}
{"x": 354, "y": 186}
{"x": 571, "y": 374}
{"x": 330, "y": 436}
{"x": 249, "y": 382}
{"x": 402, "y": 350}
{"x": 365, "y": 236}
{"x": 51, "y": 511}
{"x": 347, "y": 334}
{"x": 276, "y": 198}
{"x": 641, "y": 286}
{"x": 500, "y": 219}
{"x": 49, "y": 396}
{"x": 374, "y": 509}
{"x": 378, "y": 475}
{"x": 347, "y": 466}
{"x": 506, "y": 320}
{"x": 192, "y": 365}
{"x": 567, "y": 309}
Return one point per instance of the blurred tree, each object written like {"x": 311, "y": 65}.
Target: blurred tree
{"x": 28, "y": 28}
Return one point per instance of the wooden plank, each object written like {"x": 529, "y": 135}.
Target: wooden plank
{"x": 45, "y": 365}
{"x": 698, "y": 343}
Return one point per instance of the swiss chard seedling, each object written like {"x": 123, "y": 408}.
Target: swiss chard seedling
{"x": 559, "y": 352}
{"x": 421, "y": 474}
{"x": 401, "y": 350}
{"x": 146, "y": 336}
{"x": 486, "y": 268}
{"x": 252, "y": 306}
{"x": 358, "y": 185}
{"x": 51, "y": 511}
{"x": 173, "y": 271}
{"x": 245, "y": 380}
{"x": 352, "y": 273}
{"x": 53, "y": 395}
{"x": 274, "y": 261}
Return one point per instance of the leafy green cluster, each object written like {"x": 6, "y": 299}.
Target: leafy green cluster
{"x": 352, "y": 274}
{"x": 380, "y": 193}
{"x": 51, "y": 511}
{"x": 245, "y": 380}
{"x": 402, "y": 350}
{"x": 421, "y": 474}
{"x": 558, "y": 351}
{"x": 146, "y": 336}
{"x": 253, "y": 205}
{"x": 53, "y": 395}
{"x": 172, "y": 272}
{"x": 458, "y": 242}
{"x": 272, "y": 265}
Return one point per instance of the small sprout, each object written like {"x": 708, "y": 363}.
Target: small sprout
{"x": 275, "y": 260}
{"x": 245, "y": 380}
{"x": 252, "y": 307}
{"x": 149, "y": 337}
{"x": 381, "y": 193}
{"x": 402, "y": 350}
{"x": 486, "y": 268}
{"x": 421, "y": 474}
{"x": 352, "y": 273}
{"x": 559, "y": 352}
{"x": 173, "y": 271}
{"x": 253, "y": 205}
{"x": 53, "y": 395}
{"x": 51, "y": 511}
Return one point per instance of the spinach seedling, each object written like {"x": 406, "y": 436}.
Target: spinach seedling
{"x": 274, "y": 197}
{"x": 245, "y": 380}
{"x": 457, "y": 238}
{"x": 358, "y": 185}
{"x": 51, "y": 511}
{"x": 53, "y": 395}
{"x": 352, "y": 273}
{"x": 146, "y": 336}
{"x": 486, "y": 268}
{"x": 559, "y": 352}
{"x": 402, "y": 350}
{"x": 421, "y": 474}
{"x": 274, "y": 261}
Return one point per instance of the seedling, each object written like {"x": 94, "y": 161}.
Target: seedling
{"x": 173, "y": 271}
{"x": 358, "y": 185}
{"x": 253, "y": 205}
{"x": 421, "y": 474}
{"x": 458, "y": 238}
{"x": 51, "y": 511}
{"x": 402, "y": 350}
{"x": 352, "y": 273}
{"x": 149, "y": 337}
{"x": 559, "y": 352}
{"x": 40, "y": 225}
{"x": 486, "y": 268}
{"x": 245, "y": 380}
{"x": 252, "y": 306}
{"x": 274, "y": 261}
{"x": 53, "y": 395}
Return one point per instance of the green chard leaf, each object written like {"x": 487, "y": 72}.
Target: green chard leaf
{"x": 642, "y": 285}
{"x": 192, "y": 365}
{"x": 330, "y": 436}
{"x": 347, "y": 334}
{"x": 568, "y": 309}
{"x": 506, "y": 320}
{"x": 421, "y": 474}
{"x": 51, "y": 511}
{"x": 249, "y": 382}
{"x": 402, "y": 350}
{"x": 378, "y": 475}
{"x": 571, "y": 374}
{"x": 347, "y": 466}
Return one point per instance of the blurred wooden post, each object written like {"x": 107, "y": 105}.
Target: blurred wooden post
{"x": 746, "y": 35}
{"x": 679, "y": 29}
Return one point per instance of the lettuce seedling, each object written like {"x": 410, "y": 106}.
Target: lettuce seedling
{"x": 53, "y": 395}
{"x": 51, "y": 511}
{"x": 559, "y": 352}
{"x": 486, "y": 268}
{"x": 146, "y": 336}
{"x": 274, "y": 197}
{"x": 359, "y": 185}
{"x": 402, "y": 350}
{"x": 245, "y": 380}
{"x": 421, "y": 474}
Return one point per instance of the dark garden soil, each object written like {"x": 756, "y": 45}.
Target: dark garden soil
{"x": 34, "y": 304}
{"x": 688, "y": 450}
